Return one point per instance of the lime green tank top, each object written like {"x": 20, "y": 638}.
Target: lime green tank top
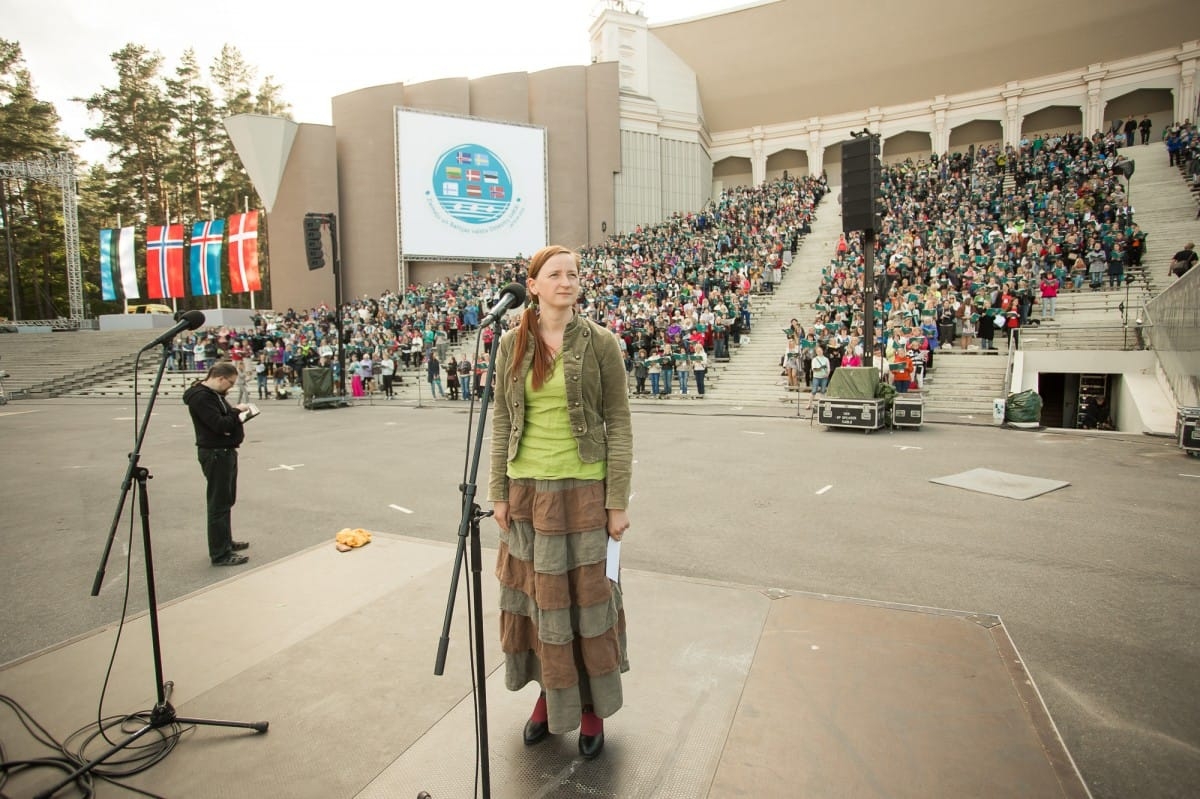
{"x": 548, "y": 450}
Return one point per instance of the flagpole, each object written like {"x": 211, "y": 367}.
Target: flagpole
{"x": 124, "y": 299}
{"x": 163, "y": 255}
{"x": 246, "y": 210}
{"x": 212, "y": 217}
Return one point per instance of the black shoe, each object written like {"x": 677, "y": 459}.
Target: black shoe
{"x": 535, "y": 731}
{"x": 238, "y": 546}
{"x": 230, "y": 560}
{"x": 590, "y": 746}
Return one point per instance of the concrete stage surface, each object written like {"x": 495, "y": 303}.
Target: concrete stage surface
{"x": 734, "y": 691}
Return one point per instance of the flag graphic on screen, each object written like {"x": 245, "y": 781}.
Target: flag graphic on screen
{"x": 243, "y": 253}
{"x": 164, "y": 261}
{"x": 108, "y": 242}
{"x": 458, "y": 182}
{"x": 206, "y": 256}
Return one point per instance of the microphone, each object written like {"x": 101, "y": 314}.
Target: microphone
{"x": 512, "y": 295}
{"x": 187, "y": 320}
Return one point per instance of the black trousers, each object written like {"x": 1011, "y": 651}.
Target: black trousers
{"x": 220, "y": 468}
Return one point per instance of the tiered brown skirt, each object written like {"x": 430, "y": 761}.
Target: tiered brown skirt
{"x": 562, "y": 623}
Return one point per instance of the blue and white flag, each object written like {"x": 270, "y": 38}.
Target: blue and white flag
{"x": 128, "y": 266}
{"x": 205, "y": 252}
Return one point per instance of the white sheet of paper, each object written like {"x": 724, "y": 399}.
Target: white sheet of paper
{"x": 613, "y": 567}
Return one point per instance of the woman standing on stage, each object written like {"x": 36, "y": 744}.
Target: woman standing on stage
{"x": 562, "y": 460}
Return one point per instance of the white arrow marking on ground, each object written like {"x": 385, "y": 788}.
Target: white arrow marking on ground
{"x": 823, "y": 490}
{"x": 291, "y": 468}
{"x": 1188, "y": 475}
{"x": 122, "y": 418}
{"x": 736, "y": 407}
{"x": 397, "y": 507}
{"x": 903, "y": 447}
{"x": 753, "y": 433}
{"x": 15, "y": 413}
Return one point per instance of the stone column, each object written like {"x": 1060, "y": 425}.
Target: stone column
{"x": 1185, "y": 100}
{"x": 1093, "y": 112}
{"x": 758, "y": 158}
{"x": 940, "y": 141}
{"x": 1012, "y": 115}
{"x": 816, "y": 152}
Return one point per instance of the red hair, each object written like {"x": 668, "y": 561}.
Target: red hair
{"x": 543, "y": 359}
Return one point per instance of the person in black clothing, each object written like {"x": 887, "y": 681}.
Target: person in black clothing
{"x": 1144, "y": 126}
{"x": 1184, "y": 260}
{"x": 1130, "y": 128}
{"x": 218, "y": 434}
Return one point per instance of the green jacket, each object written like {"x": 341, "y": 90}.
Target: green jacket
{"x": 597, "y": 404}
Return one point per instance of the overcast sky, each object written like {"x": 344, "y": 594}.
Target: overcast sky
{"x": 314, "y": 49}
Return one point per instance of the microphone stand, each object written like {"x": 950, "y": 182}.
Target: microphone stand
{"x": 469, "y": 525}
{"x": 163, "y": 714}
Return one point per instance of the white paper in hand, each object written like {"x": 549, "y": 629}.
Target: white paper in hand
{"x": 613, "y": 566}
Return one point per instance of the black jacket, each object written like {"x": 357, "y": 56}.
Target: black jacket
{"x": 217, "y": 424}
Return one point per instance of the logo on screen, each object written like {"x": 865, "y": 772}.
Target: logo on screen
{"x": 472, "y": 186}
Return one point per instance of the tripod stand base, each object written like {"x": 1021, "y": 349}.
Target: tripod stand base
{"x": 162, "y": 715}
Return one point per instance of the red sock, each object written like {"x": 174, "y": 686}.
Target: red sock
{"x": 539, "y": 710}
{"x": 590, "y": 724}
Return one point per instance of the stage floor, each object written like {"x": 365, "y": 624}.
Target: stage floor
{"x": 733, "y": 691}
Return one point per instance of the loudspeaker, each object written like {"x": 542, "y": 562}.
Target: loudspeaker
{"x": 1125, "y": 168}
{"x": 314, "y": 250}
{"x": 862, "y": 203}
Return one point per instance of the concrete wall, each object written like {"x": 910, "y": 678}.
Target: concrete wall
{"x": 1174, "y": 316}
{"x": 310, "y": 183}
{"x": 1139, "y": 405}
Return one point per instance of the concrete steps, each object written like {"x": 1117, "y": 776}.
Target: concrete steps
{"x": 964, "y": 383}
{"x": 752, "y": 376}
{"x": 1164, "y": 207}
{"x": 39, "y": 364}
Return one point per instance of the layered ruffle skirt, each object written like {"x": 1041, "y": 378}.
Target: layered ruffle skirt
{"x": 562, "y": 623}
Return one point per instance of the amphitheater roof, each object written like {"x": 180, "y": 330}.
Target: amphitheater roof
{"x": 790, "y": 60}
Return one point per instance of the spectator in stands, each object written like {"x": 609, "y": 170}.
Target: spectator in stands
{"x": 821, "y": 369}
{"x": 901, "y": 370}
{"x": 452, "y": 378}
{"x": 387, "y": 371}
{"x": 1049, "y": 293}
{"x": 1184, "y": 260}
{"x": 433, "y": 374}
{"x": 699, "y": 366}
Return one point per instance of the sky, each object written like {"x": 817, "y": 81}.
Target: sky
{"x": 315, "y": 50}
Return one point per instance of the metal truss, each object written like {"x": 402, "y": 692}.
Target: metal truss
{"x": 58, "y": 170}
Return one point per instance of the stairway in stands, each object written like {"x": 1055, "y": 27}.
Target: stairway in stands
{"x": 752, "y": 378}
{"x": 1164, "y": 207}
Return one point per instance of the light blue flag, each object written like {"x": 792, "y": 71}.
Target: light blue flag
{"x": 108, "y": 237}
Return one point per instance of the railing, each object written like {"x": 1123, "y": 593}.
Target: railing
{"x": 1129, "y": 336}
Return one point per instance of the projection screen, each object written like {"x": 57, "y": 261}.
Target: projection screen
{"x": 469, "y": 188}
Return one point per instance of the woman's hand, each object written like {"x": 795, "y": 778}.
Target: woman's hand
{"x": 618, "y": 523}
{"x": 500, "y": 514}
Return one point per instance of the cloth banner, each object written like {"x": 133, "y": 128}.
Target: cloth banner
{"x": 243, "y": 253}
{"x": 164, "y": 261}
{"x": 107, "y": 243}
{"x": 128, "y": 265}
{"x": 119, "y": 243}
{"x": 207, "y": 238}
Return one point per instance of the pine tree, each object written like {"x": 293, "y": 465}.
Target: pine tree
{"x": 196, "y": 134}
{"x": 29, "y": 210}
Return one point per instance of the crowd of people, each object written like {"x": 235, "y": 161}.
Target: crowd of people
{"x": 972, "y": 246}
{"x": 675, "y": 293}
